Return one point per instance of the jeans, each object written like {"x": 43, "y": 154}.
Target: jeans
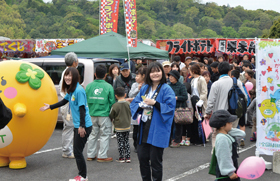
{"x": 150, "y": 158}
{"x": 104, "y": 126}
{"x": 79, "y": 145}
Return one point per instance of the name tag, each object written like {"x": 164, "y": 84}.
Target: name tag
{"x": 148, "y": 112}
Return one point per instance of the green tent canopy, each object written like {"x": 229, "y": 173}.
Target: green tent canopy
{"x": 112, "y": 45}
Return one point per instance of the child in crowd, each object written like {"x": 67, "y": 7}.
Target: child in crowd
{"x": 207, "y": 77}
{"x": 251, "y": 112}
{"x": 121, "y": 115}
{"x": 135, "y": 89}
{"x": 225, "y": 145}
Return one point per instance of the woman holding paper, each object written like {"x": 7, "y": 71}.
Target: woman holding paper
{"x": 199, "y": 103}
{"x": 156, "y": 103}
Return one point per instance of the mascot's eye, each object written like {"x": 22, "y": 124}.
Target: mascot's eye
{"x": 3, "y": 82}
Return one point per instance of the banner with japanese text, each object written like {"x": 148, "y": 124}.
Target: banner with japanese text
{"x": 131, "y": 22}
{"x": 109, "y": 11}
{"x": 17, "y": 45}
{"x": 236, "y": 46}
{"x": 183, "y": 46}
{"x": 268, "y": 96}
{"x": 47, "y": 45}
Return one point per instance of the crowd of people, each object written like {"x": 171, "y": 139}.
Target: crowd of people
{"x": 147, "y": 100}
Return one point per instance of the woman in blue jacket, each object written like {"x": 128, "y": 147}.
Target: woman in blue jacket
{"x": 156, "y": 103}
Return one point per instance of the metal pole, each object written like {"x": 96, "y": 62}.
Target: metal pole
{"x": 99, "y": 15}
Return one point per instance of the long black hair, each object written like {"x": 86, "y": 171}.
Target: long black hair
{"x": 154, "y": 67}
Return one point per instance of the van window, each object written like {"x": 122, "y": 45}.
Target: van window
{"x": 107, "y": 65}
{"x": 55, "y": 71}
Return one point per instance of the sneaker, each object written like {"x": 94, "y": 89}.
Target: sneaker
{"x": 120, "y": 160}
{"x": 114, "y": 136}
{"x": 79, "y": 178}
{"x": 187, "y": 143}
{"x": 175, "y": 145}
{"x": 252, "y": 139}
{"x": 70, "y": 155}
{"x": 183, "y": 142}
{"x": 242, "y": 143}
{"x": 127, "y": 160}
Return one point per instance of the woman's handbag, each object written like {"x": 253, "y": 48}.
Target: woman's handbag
{"x": 183, "y": 115}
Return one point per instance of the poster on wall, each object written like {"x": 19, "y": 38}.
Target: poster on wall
{"x": 47, "y": 45}
{"x": 268, "y": 97}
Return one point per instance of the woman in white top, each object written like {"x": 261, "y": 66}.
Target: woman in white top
{"x": 198, "y": 99}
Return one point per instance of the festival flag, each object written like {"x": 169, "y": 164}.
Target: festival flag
{"x": 109, "y": 12}
{"x": 131, "y": 22}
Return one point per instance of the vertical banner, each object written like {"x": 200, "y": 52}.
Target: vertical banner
{"x": 268, "y": 97}
{"x": 109, "y": 11}
{"x": 131, "y": 22}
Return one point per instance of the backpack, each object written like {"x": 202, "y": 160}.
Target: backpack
{"x": 237, "y": 104}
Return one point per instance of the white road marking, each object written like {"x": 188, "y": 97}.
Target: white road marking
{"x": 49, "y": 150}
{"x": 202, "y": 167}
{"x": 55, "y": 149}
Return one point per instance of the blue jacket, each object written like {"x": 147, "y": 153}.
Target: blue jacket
{"x": 160, "y": 128}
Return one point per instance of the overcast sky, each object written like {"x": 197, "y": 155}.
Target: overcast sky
{"x": 250, "y": 4}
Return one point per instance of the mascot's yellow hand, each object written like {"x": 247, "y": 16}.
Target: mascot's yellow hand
{"x": 20, "y": 109}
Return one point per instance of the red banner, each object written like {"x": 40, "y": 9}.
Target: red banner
{"x": 109, "y": 12}
{"x": 131, "y": 22}
{"x": 183, "y": 46}
{"x": 236, "y": 46}
{"x": 17, "y": 45}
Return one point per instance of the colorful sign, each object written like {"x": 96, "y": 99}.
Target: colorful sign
{"x": 236, "y": 46}
{"x": 268, "y": 96}
{"x": 17, "y": 45}
{"x": 183, "y": 46}
{"x": 47, "y": 45}
{"x": 109, "y": 12}
{"x": 131, "y": 22}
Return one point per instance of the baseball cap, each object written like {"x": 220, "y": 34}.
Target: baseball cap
{"x": 220, "y": 117}
{"x": 166, "y": 63}
{"x": 124, "y": 66}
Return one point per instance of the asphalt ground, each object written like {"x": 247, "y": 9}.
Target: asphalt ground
{"x": 189, "y": 163}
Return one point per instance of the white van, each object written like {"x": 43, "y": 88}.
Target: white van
{"x": 55, "y": 66}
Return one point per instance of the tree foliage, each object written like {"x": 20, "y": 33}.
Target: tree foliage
{"x": 274, "y": 31}
{"x": 157, "y": 19}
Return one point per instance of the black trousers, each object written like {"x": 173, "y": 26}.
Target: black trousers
{"x": 150, "y": 159}
{"x": 178, "y": 132}
{"x": 134, "y": 136}
{"x": 79, "y": 145}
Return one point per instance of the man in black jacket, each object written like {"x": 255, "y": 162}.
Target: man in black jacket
{"x": 125, "y": 79}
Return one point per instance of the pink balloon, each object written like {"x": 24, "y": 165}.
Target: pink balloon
{"x": 251, "y": 168}
{"x": 249, "y": 86}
